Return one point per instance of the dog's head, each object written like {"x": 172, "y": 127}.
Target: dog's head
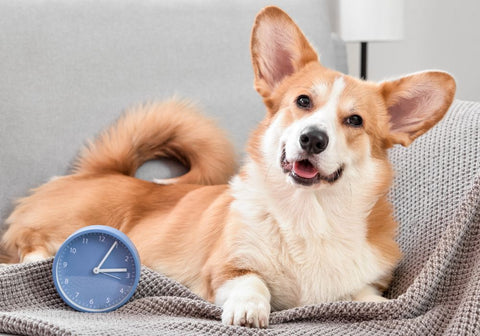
{"x": 323, "y": 126}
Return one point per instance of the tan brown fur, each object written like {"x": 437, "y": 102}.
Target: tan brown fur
{"x": 98, "y": 192}
{"x": 173, "y": 129}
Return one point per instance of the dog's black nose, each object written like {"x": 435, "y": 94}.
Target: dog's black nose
{"x": 313, "y": 141}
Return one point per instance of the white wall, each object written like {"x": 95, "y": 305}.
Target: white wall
{"x": 439, "y": 34}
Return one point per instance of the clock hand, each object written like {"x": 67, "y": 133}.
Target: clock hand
{"x": 106, "y": 255}
{"x": 114, "y": 270}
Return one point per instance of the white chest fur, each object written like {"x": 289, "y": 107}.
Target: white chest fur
{"x": 307, "y": 249}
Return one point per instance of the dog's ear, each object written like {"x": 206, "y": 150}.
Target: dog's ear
{"x": 416, "y": 103}
{"x": 278, "y": 48}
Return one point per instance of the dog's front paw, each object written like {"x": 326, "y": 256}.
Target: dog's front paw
{"x": 250, "y": 311}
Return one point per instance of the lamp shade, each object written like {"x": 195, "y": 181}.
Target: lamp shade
{"x": 370, "y": 20}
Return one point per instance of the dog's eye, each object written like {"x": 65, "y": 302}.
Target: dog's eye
{"x": 354, "y": 120}
{"x": 303, "y": 101}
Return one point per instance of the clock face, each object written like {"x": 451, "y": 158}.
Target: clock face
{"x": 96, "y": 269}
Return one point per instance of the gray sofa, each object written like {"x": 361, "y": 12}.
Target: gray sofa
{"x": 69, "y": 69}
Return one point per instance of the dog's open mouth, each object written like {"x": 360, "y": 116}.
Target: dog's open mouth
{"x": 305, "y": 173}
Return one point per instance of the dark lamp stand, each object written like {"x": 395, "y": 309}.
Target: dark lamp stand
{"x": 363, "y": 60}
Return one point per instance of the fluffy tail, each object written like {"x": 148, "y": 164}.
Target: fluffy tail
{"x": 170, "y": 129}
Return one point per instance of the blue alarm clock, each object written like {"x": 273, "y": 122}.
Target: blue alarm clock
{"x": 96, "y": 269}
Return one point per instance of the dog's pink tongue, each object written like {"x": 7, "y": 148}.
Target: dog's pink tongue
{"x": 304, "y": 169}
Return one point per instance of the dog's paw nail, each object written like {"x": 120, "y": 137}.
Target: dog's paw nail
{"x": 252, "y": 312}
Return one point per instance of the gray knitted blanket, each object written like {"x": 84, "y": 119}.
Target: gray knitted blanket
{"x": 436, "y": 288}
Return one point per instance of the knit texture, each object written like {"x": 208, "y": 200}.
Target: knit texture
{"x": 436, "y": 288}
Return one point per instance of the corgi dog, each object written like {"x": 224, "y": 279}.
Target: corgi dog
{"x": 306, "y": 219}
